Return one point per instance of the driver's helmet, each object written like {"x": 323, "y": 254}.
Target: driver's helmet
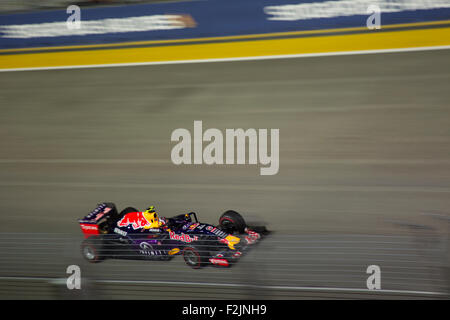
{"x": 152, "y": 216}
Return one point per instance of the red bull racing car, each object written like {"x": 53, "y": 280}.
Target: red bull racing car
{"x": 132, "y": 234}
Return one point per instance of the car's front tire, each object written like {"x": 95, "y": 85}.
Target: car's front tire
{"x": 232, "y": 221}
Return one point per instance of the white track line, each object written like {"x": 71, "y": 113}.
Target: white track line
{"x": 234, "y": 285}
{"x": 269, "y": 57}
{"x": 315, "y": 161}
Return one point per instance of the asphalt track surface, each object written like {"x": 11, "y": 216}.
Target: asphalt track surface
{"x": 364, "y": 150}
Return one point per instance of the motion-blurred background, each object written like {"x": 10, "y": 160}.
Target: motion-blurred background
{"x": 364, "y": 173}
{"x": 30, "y": 5}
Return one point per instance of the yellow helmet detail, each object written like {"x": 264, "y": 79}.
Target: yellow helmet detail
{"x": 152, "y": 217}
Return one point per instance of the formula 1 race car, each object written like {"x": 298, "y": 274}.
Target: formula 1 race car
{"x": 130, "y": 235}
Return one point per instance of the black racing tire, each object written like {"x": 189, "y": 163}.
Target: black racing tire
{"x": 92, "y": 249}
{"x": 232, "y": 221}
{"x": 195, "y": 257}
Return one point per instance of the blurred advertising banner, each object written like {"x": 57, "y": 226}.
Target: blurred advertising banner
{"x": 204, "y": 19}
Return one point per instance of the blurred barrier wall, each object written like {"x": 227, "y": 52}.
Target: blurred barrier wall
{"x": 204, "y": 19}
{"x": 217, "y": 29}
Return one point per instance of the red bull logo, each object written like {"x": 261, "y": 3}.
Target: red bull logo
{"x": 135, "y": 219}
{"x": 183, "y": 237}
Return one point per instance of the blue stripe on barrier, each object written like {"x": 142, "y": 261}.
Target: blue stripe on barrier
{"x": 213, "y": 18}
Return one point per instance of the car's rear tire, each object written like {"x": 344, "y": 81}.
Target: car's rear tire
{"x": 92, "y": 249}
{"x": 231, "y": 221}
{"x": 195, "y": 257}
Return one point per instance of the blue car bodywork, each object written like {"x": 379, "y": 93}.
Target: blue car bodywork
{"x": 200, "y": 244}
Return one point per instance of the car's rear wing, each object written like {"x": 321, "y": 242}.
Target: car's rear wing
{"x": 91, "y": 224}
